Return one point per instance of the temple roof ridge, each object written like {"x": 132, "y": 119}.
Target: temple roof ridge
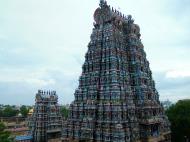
{"x": 114, "y": 12}
{"x": 102, "y": 3}
{"x": 48, "y": 93}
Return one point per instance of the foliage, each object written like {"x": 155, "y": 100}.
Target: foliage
{"x": 179, "y": 116}
{"x": 1, "y": 112}
{"x": 2, "y": 127}
{"x": 24, "y": 111}
{"x": 4, "y": 135}
{"x": 9, "y": 112}
{"x": 64, "y": 111}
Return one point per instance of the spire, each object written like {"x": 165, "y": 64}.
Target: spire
{"x": 102, "y": 3}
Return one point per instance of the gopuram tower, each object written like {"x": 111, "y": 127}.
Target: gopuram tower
{"x": 116, "y": 100}
{"x": 46, "y": 122}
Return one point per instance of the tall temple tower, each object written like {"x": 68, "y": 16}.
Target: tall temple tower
{"x": 46, "y": 120}
{"x": 116, "y": 100}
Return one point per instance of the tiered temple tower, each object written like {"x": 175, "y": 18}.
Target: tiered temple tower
{"x": 116, "y": 100}
{"x": 46, "y": 120}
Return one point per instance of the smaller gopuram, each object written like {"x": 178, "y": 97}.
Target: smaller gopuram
{"x": 46, "y": 120}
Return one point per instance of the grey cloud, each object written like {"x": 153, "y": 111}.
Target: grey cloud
{"x": 23, "y": 94}
{"x": 172, "y": 88}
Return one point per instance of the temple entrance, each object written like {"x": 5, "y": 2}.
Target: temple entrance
{"x": 154, "y": 130}
{"x": 54, "y": 135}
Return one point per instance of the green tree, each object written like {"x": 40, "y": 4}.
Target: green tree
{"x": 1, "y": 113}
{"x": 179, "y": 116}
{"x": 24, "y": 110}
{"x": 64, "y": 111}
{"x": 9, "y": 112}
{"x": 4, "y": 135}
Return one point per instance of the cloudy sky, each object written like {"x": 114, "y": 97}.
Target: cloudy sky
{"x": 43, "y": 43}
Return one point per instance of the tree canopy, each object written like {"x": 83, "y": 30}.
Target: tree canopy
{"x": 9, "y": 112}
{"x": 24, "y": 110}
{"x": 179, "y": 116}
{"x": 64, "y": 111}
{"x": 4, "y": 135}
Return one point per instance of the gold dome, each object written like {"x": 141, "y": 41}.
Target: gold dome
{"x": 31, "y": 111}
